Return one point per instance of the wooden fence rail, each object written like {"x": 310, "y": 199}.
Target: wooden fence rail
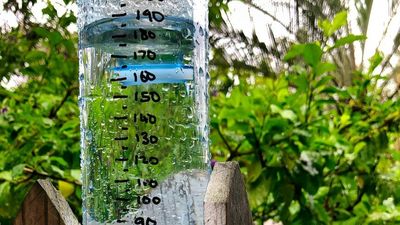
{"x": 225, "y": 201}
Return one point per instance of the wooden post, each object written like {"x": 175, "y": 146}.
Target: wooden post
{"x": 44, "y": 205}
{"x": 226, "y": 199}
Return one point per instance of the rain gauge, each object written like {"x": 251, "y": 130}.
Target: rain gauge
{"x": 144, "y": 114}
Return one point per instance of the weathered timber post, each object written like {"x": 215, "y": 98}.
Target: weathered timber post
{"x": 44, "y": 205}
{"x": 226, "y": 199}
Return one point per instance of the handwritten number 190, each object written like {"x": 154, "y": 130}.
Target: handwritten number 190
{"x": 151, "y": 15}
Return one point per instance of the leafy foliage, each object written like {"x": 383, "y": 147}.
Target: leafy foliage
{"x": 39, "y": 119}
{"x": 312, "y": 151}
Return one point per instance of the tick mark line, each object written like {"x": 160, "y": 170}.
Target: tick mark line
{"x": 119, "y": 36}
{"x": 121, "y": 117}
{"x": 120, "y": 96}
{"x": 118, "y": 79}
{"x": 122, "y": 181}
{"x": 120, "y": 138}
{"x": 119, "y": 15}
{"x": 119, "y": 56}
{"x": 121, "y": 159}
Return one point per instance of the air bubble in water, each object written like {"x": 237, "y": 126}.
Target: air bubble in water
{"x": 201, "y": 72}
{"x": 201, "y": 31}
{"x": 187, "y": 33}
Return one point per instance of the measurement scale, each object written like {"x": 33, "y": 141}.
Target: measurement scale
{"x": 143, "y": 118}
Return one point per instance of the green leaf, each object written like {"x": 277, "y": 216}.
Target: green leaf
{"x": 254, "y": 171}
{"x": 338, "y": 21}
{"x": 275, "y": 124}
{"x": 42, "y": 32}
{"x": 359, "y": 146}
{"x": 312, "y": 54}
{"x": 329, "y": 28}
{"x": 351, "y": 221}
{"x": 374, "y": 61}
{"x": 323, "y": 81}
{"x": 76, "y": 174}
{"x": 301, "y": 82}
{"x": 326, "y": 27}
{"x": 360, "y": 209}
{"x": 322, "y": 192}
{"x": 322, "y": 213}
{"x": 348, "y": 40}
{"x": 35, "y": 55}
{"x": 57, "y": 170}
{"x": 4, "y": 192}
{"x": 18, "y": 171}
{"x": 324, "y": 67}
{"x": 47, "y": 122}
{"x": 301, "y": 132}
{"x": 289, "y": 114}
{"x": 275, "y": 109}
{"x": 59, "y": 160}
{"x": 6, "y": 175}
{"x": 294, "y": 51}
{"x": 55, "y": 37}
{"x": 50, "y": 10}
{"x": 345, "y": 119}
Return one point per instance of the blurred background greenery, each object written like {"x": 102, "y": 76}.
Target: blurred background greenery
{"x": 299, "y": 97}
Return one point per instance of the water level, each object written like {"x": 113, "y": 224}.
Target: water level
{"x": 144, "y": 142}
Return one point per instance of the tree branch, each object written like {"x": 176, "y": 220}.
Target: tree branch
{"x": 269, "y": 14}
{"x": 224, "y": 140}
{"x": 55, "y": 109}
{"x": 258, "y": 149}
{"x": 46, "y": 175}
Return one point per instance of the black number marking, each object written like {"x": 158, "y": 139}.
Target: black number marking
{"x": 145, "y": 54}
{"x": 146, "y": 138}
{"x": 145, "y": 221}
{"x": 147, "y": 96}
{"x": 144, "y": 118}
{"x": 147, "y": 200}
{"x": 148, "y": 182}
{"x": 150, "y": 15}
{"x": 144, "y": 160}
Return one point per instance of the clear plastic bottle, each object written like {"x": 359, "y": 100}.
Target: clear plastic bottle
{"x": 144, "y": 118}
